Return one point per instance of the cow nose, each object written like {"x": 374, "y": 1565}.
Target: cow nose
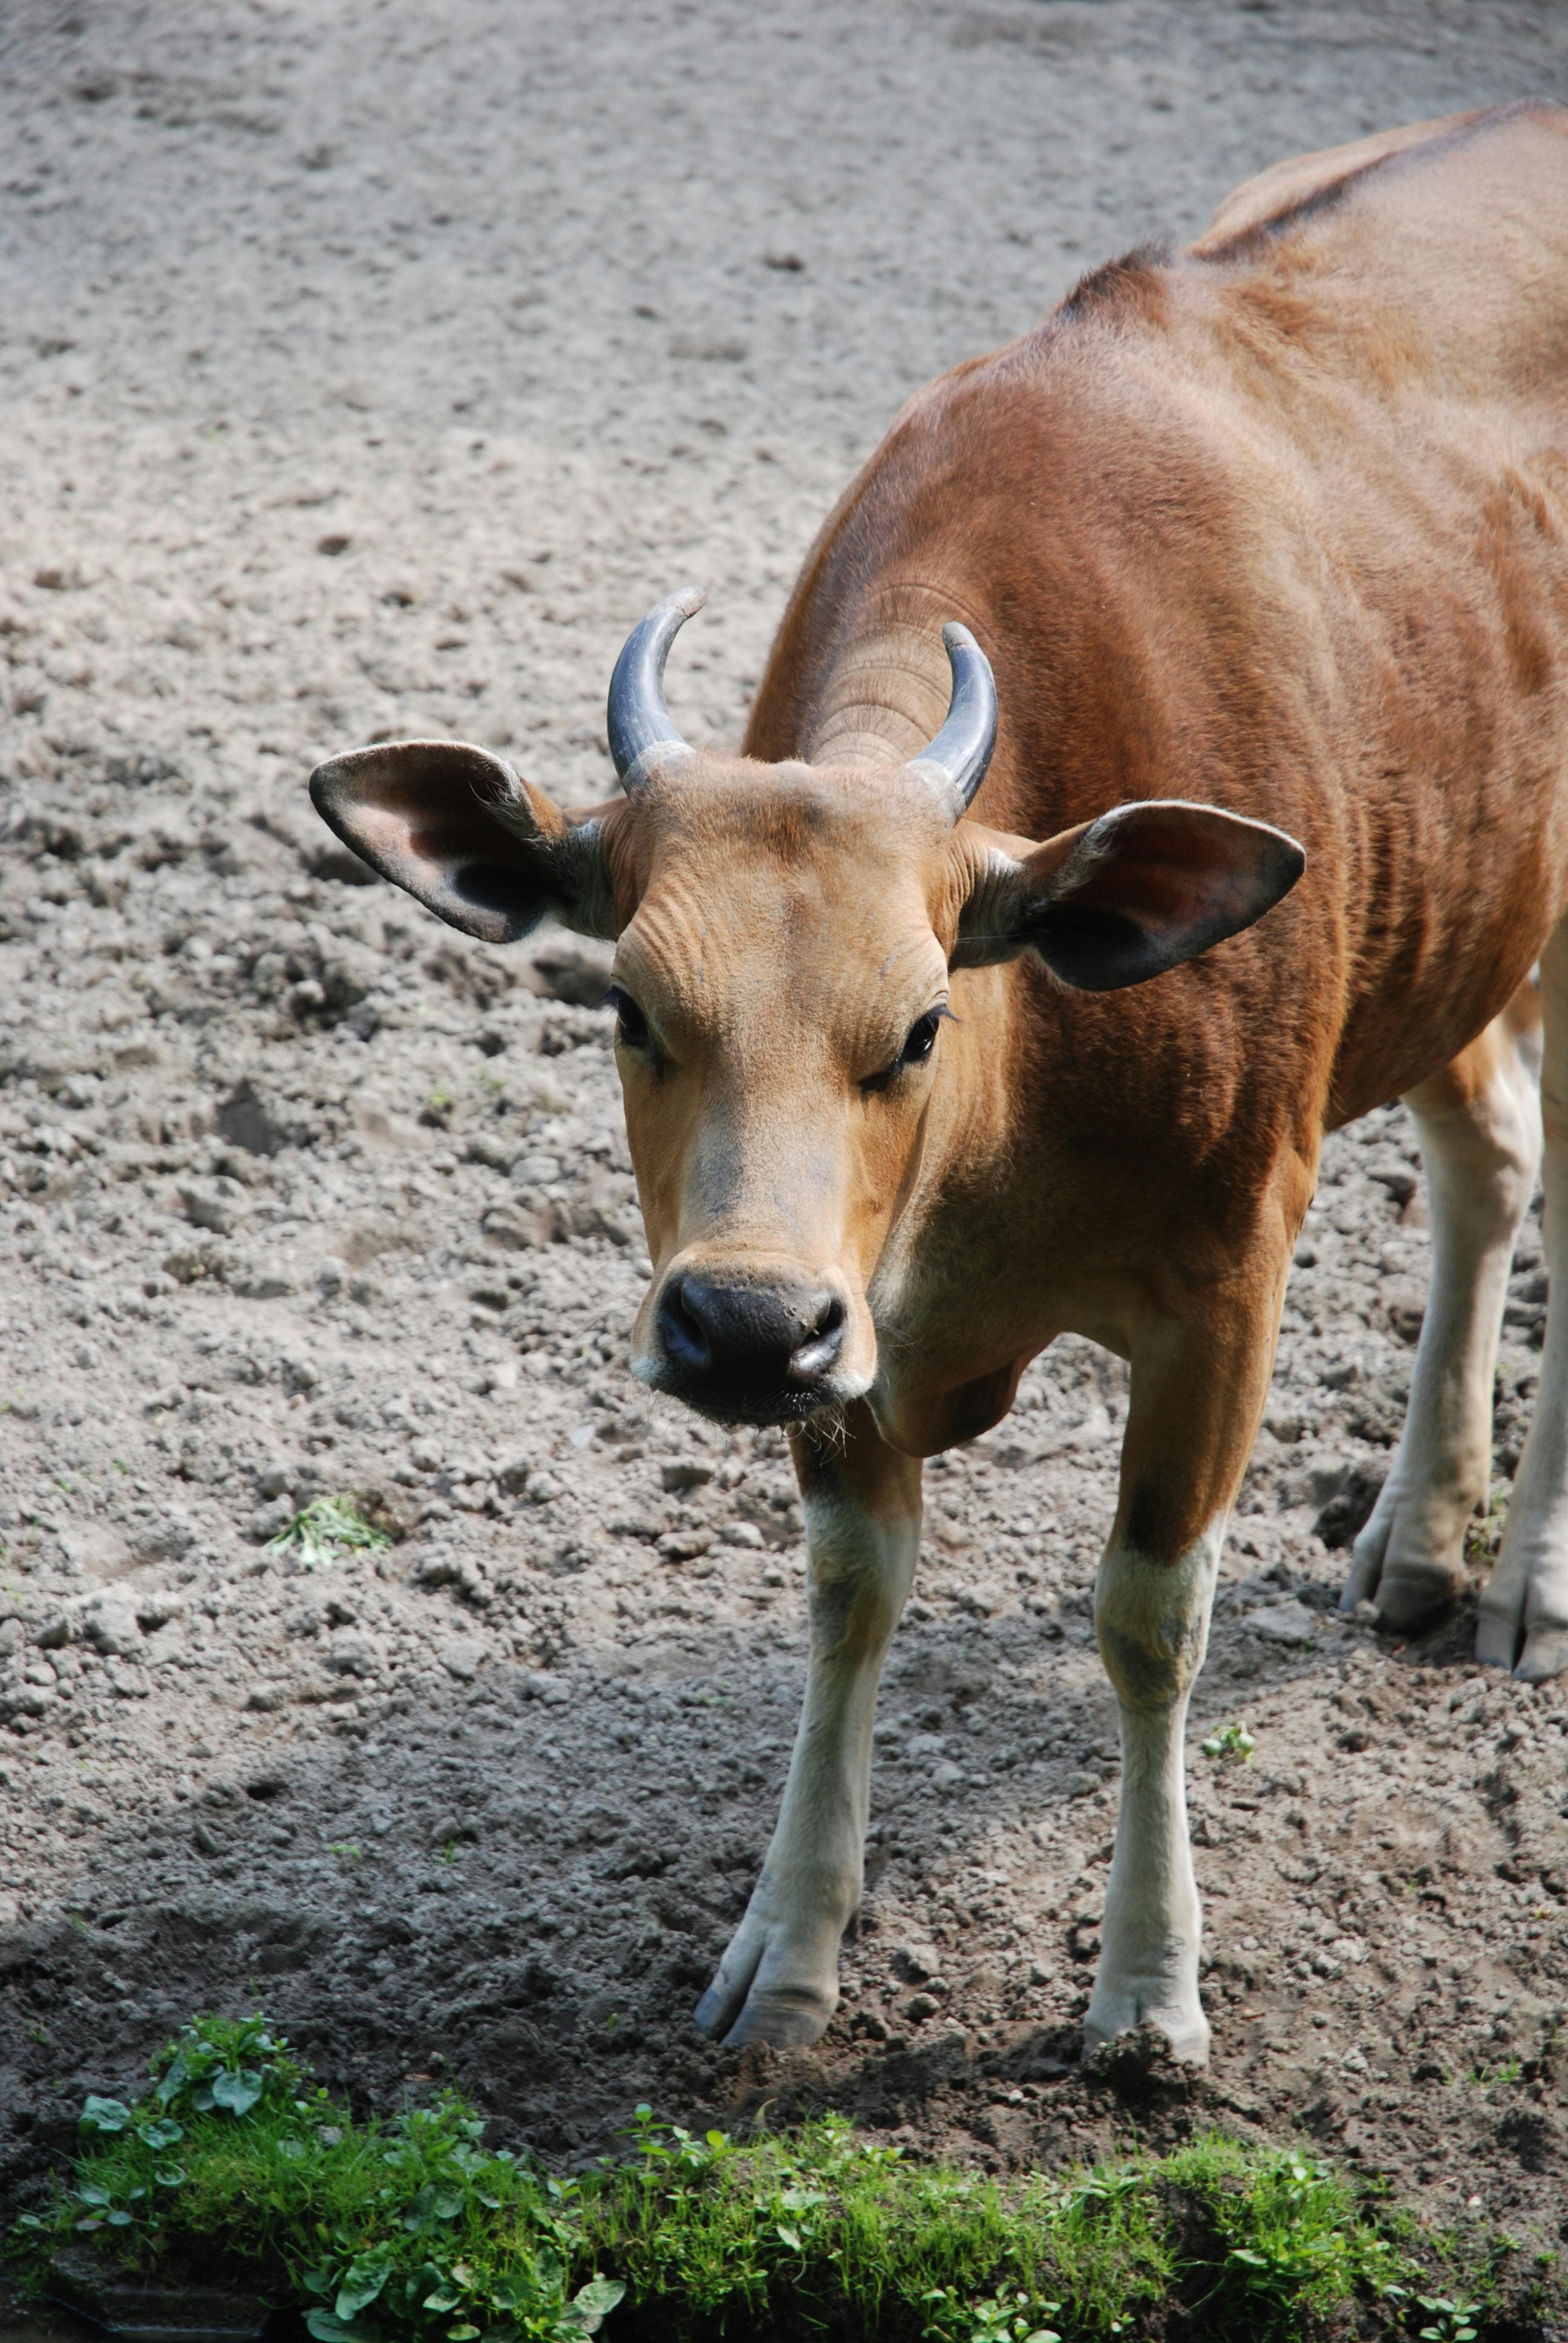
{"x": 747, "y": 1338}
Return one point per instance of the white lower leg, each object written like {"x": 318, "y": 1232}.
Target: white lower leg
{"x": 1153, "y": 1623}
{"x": 1524, "y": 1622}
{"x": 779, "y": 1979}
{"x": 1481, "y": 1163}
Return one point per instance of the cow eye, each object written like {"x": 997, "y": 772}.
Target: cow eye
{"x": 918, "y": 1043}
{"x": 921, "y": 1040}
{"x": 631, "y": 1025}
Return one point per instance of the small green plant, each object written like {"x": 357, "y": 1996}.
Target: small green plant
{"x": 1004, "y": 2318}
{"x": 347, "y": 1850}
{"x": 1447, "y": 2321}
{"x": 324, "y": 1530}
{"x": 1484, "y": 1531}
{"x": 1232, "y": 1740}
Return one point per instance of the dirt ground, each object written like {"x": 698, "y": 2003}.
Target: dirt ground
{"x": 370, "y": 367}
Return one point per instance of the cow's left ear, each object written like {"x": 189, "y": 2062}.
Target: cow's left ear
{"x": 468, "y": 838}
{"x": 1118, "y": 901}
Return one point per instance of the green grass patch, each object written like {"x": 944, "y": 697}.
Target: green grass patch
{"x": 321, "y": 1532}
{"x": 409, "y": 2228}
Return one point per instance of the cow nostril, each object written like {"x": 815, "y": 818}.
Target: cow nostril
{"x": 823, "y": 1343}
{"x": 681, "y": 1330}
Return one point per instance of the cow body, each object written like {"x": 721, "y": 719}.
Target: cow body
{"x": 1280, "y": 527}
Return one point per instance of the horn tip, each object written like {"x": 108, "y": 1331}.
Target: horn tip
{"x": 689, "y": 599}
{"x": 958, "y": 638}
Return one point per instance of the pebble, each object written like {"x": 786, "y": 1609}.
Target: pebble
{"x": 679, "y": 1474}
{"x": 1284, "y": 1622}
{"x": 109, "y": 1625}
{"x": 462, "y": 1658}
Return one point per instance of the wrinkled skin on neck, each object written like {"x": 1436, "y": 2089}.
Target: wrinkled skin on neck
{"x": 785, "y": 930}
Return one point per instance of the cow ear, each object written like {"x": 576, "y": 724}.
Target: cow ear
{"x": 465, "y": 836}
{"x": 1118, "y": 901}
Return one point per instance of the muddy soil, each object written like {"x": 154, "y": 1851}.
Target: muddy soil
{"x": 370, "y": 368}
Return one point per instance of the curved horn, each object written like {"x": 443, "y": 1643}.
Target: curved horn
{"x": 635, "y": 719}
{"x": 960, "y": 752}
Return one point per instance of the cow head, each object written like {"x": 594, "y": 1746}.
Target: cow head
{"x": 785, "y": 936}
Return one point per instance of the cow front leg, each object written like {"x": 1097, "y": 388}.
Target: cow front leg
{"x": 778, "y": 1981}
{"x": 1479, "y": 1124}
{"x": 1197, "y": 1392}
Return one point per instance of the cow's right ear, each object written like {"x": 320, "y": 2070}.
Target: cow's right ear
{"x": 468, "y": 838}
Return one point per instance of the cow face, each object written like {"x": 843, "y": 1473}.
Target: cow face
{"x": 784, "y": 937}
{"x": 782, "y": 991}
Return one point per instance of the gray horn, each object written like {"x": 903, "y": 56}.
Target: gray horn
{"x": 637, "y": 719}
{"x": 960, "y": 752}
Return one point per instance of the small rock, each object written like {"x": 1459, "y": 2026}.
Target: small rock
{"x": 1080, "y": 1785}
{"x": 55, "y": 1632}
{"x": 1283, "y": 1623}
{"x": 684, "y": 1546}
{"x": 109, "y": 1625}
{"x": 921, "y": 2006}
{"x": 350, "y": 1653}
{"x": 462, "y": 1658}
{"x": 275, "y": 1481}
{"x": 534, "y": 1170}
{"x": 221, "y": 1206}
{"x": 166, "y": 1541}
{"x": 270, "y": 1521}
{"x": 914, "y": 1962}
{"x": 746, "y": 1533}
{"x": 535, "y": 1685}
{"x": 260, "y": 1280}
{"x": 682, "y": 1473}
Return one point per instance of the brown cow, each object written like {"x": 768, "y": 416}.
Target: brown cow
{"x": 1265, "y": 541}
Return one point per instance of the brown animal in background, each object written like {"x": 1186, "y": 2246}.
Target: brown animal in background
{"x": 1265, "y": 543}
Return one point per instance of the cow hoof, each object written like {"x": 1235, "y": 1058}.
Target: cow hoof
{"x": 1533, "y": 1650}
{"x": 781, "y": 2021}
{"x": 1186, "y": 2030}
{"x": 1408, "y": 1600}
{"x": 1394, "y": 1567}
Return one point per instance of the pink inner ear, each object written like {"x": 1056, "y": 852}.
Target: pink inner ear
{"x": 390, "y": 837}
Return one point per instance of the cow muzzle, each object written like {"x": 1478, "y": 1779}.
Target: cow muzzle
{"x": 748, "y": 1352}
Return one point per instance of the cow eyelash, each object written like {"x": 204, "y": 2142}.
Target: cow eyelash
{"x": 918, "y": 1043}
{"x": 632, "y": 1030}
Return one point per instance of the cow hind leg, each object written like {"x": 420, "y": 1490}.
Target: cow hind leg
{"x": 777, "y": 1982}
{"x": 1524, "y": 1622}
{"x": 1479, "y": 1124}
